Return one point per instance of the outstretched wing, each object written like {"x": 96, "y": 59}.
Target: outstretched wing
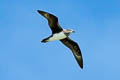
{"x": 52, "y": 21}
{"x": 75, "y": 49}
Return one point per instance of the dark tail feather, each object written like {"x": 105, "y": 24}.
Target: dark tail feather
{"x": 44, "y": 40}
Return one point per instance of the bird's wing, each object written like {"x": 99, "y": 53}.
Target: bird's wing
{"x": 52, "y": 21}
{"x": 75, "y": 49}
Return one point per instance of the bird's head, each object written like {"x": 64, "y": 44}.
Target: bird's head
{"x": 68, "y": 31}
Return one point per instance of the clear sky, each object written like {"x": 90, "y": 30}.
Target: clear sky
{"x": 24, "y": 57}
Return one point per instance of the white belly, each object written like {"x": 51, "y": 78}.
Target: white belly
{"x": 57, "y": 36}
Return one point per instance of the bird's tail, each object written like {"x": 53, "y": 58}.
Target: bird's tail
{"x": 44, "y": 40}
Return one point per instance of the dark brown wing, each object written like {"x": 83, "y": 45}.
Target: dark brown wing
{"x": 75, "y": 49}
{"x": 52, "y": 21}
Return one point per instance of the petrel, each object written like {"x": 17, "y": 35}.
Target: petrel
{"x": 63, "y": 35}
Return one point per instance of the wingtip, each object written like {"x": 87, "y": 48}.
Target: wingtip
{"x": 81, "y": 67}
{"x": 41, "y": 12}
{"x": 80, "y": 62}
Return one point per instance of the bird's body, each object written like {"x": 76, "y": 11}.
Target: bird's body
{"x": 63, "y": 35}
{"x": 57, "y": 36}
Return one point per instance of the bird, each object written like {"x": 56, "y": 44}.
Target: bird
{"x": 62, "y": 35}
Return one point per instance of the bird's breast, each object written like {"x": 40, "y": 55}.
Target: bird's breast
{"x": 57, "y": 36}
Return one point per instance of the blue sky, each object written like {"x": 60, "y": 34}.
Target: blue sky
{"x": 24, "y": 57}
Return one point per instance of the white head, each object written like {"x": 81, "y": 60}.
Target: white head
{"x": 68, "y": 31}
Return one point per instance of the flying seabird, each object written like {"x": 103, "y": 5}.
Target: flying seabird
{"x": 63, "y": 35}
